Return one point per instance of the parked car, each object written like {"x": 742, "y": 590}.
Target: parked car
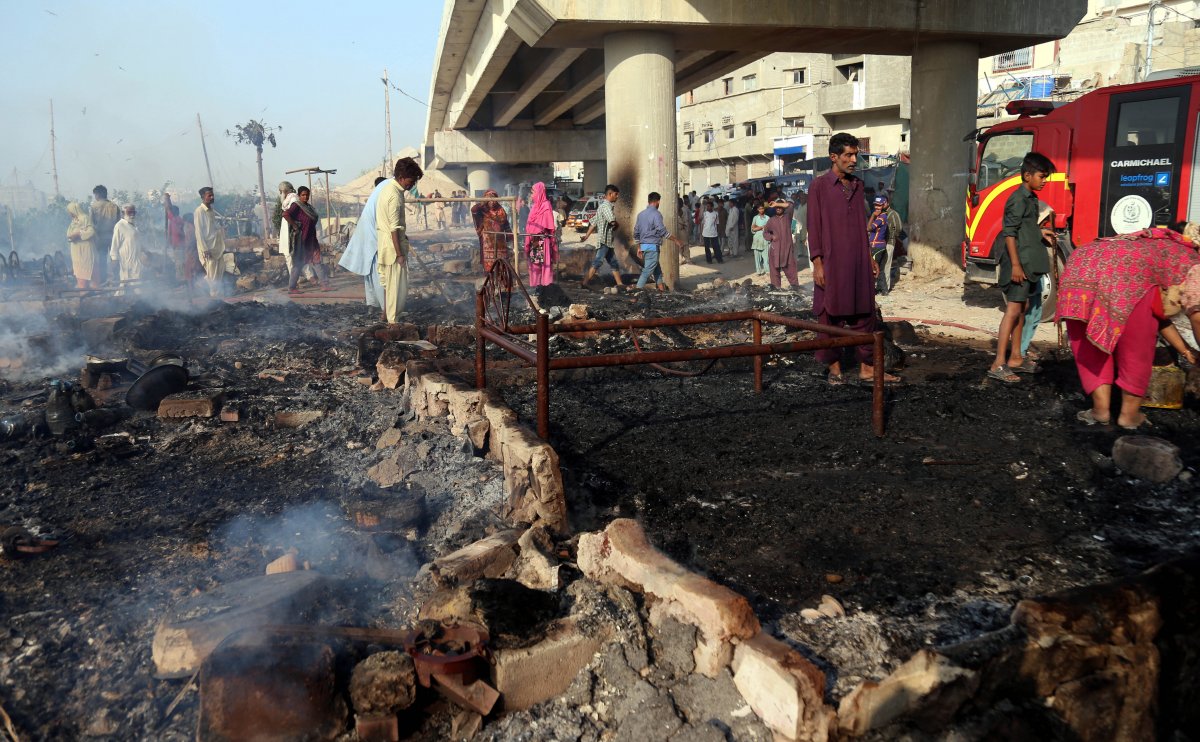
{"x": 581, "y": 218}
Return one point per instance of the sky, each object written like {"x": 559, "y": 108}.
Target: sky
{"x": 128, "y": 78}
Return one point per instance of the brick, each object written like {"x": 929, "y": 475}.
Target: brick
{"x": 456, "y": 267}
{"x": 461, "y": 335}
{"x": 489, "y": 557}
{"x": 622, "y": 555}
{"x": 874, "y": 705}
{"x": 783, "y": 688}
{"x": 529, "y": 675}
{"x": 230, "y": 415}
{"x": 297, "y": 419}
{"x": 190, "y": 404}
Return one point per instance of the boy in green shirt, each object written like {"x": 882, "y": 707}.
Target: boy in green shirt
{"x": 1022, "y": 263}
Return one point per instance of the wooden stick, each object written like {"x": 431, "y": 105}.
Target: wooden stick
{"x": 8, "y": 725}
{"x": 178, "y": 697}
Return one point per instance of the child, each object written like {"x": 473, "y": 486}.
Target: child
{"x": 1022, "y": 264}
{"x": 1033, "y": 313}
{"x": 877, "y": 239}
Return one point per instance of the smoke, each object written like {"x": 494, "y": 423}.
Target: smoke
{"x": 321, "y": 535}
{"x": 32, "y": 347}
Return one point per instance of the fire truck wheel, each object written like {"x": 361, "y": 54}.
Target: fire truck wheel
{"x": 1050, "y": 296}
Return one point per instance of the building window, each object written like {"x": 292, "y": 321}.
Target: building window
{"x": 794, "y": 76}
{"x": 728, "y": 132}
{"x": 708, "y": 136}
{"x": 749, "y": 82}
{"x": 691, "y": 139}
{"x": 849, "y": 72}
{"x": 751, "y": 128}
{"x": 793, "y": 122}
{"x": 1014, "y": 60}
{"x": 728, "y": 84}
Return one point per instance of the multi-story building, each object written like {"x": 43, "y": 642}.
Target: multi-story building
{"x": 728, "y": 127}
{"x": 1116, "y": 42}
{"x": 782, "y": 108}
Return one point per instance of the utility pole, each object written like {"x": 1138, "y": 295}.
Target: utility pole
{"x": 53, "y": 155}
{"x": 204, "y": 147}
{"x": 1147, "y": 66}
{"x": 387, "y": 119}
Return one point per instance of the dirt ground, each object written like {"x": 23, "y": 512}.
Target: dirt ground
{"x": 979, "y": 494}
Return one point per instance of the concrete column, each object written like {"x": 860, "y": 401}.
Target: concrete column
{"x": 943, "y": 112}
{"x": 595, "y": 176}
{"x": 479, "y": 179}
{"x": 639, "y": 110}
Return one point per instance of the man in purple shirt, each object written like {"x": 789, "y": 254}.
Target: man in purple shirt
{"x": 843, "y": 272}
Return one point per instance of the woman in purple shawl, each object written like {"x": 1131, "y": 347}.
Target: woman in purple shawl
{"x": 303, "y": 222}
{"x": 541, "y": 248}
{"x": 781, "y": 256}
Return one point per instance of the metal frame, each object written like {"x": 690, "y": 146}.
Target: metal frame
{"x": 493, "y": 305}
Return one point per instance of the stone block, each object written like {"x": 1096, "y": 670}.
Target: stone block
{"x": 398, "y": 331}
{"x": 535, "y": 566}
{"x": 248, "y": 282}
{"x": 926, "y": 681}
{"x": 477, "y": 432}
{"x": 456, "y": 267}
{"x": 529, "y": 675}
{"x": 391, "y": 437}
{"x": 622, "y": 555}
{"x": 577, "y": 312}
{"x": 392, "y": 365}
{"x": 190, "y": 404}
{"x": 1147, "y": 457}
{"x": 489, "y": 557}
{"x": 391, "y": 470}
{"x": 384, "y": 683}
{"x": 783, "y": 688}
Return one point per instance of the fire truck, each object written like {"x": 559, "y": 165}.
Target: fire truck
{"x": 1127, "y": 158}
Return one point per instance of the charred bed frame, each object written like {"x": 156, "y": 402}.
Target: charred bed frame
{"x": 493, "y": 304}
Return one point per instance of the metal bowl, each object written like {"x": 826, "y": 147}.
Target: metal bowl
{"x": 155, "y": 385}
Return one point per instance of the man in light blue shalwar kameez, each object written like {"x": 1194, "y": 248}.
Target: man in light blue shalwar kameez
{"x": 362, "y": 252}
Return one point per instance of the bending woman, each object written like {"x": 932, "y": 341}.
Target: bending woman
{"x": 1116, "y": 294}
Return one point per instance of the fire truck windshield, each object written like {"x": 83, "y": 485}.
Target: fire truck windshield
{"x": 1001, "y": 157}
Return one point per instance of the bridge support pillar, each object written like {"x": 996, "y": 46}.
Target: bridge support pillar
{"x": 639, "y": 110}
{"x": 479, "y": 179}
{"x": 943, "y": 112}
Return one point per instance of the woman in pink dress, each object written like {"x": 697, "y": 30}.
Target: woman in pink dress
{"x": 1116, "y": 294}
{"x": 541, "y": 248}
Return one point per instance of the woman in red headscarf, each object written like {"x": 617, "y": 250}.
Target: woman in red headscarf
{"x": 491, "y": 223}
{"x": 541, "y": 247}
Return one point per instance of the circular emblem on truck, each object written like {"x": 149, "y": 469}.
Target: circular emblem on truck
{"x": 1131, "y": 214}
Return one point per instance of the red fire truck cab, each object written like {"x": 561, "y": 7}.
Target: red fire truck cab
{"x": 1127, "y": 158}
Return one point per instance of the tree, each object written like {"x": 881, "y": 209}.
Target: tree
{"x": 257, "y": 133}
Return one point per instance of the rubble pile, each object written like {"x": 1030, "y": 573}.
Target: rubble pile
{"x": 303, "y": 524}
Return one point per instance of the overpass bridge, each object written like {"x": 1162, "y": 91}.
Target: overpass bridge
{"x": 537, "y": 81}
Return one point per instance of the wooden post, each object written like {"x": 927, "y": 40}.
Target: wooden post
{"x": 543, "y": 375}
{"x": 53, "y": 155}
{"x": 758, "y": 360}
{"x": 204, "y": 147}
{"x": 480, "y": 344}
{"x": 877, "y": 392}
